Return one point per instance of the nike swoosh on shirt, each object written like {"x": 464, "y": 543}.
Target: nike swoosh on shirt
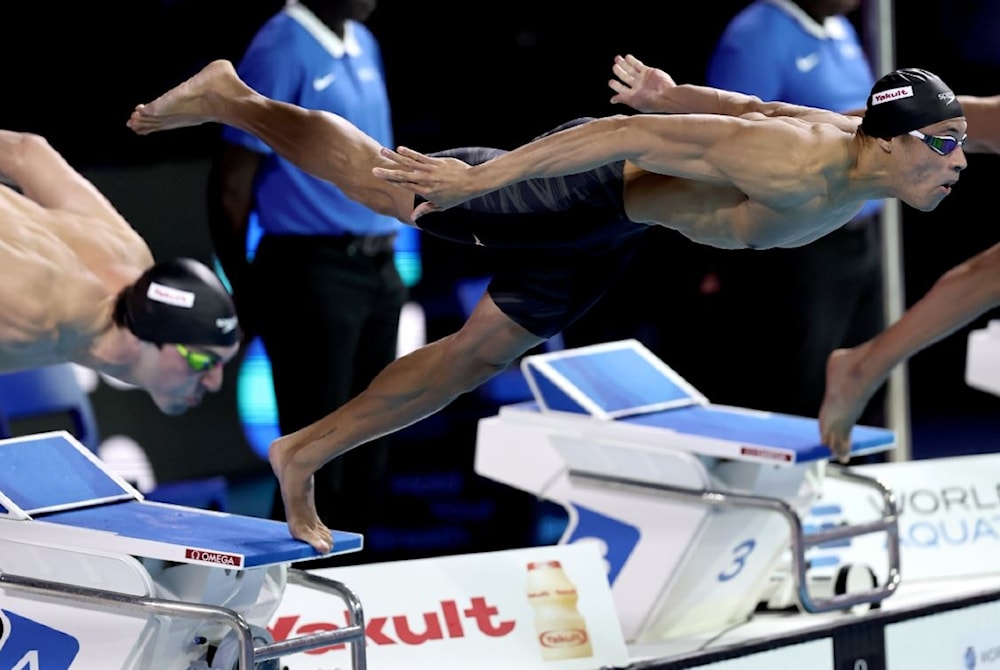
{"x": 321, "y": 83}
{"x": 806, "y": 63}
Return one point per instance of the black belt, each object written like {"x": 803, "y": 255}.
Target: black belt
{"x": 362, "y": 245}
{"x": 367, "y": 245}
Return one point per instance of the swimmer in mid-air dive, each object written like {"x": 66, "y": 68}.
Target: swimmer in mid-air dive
{"x": 567, "y": 211}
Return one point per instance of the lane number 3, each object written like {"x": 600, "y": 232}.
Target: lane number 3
{"x": 741, "y": 553}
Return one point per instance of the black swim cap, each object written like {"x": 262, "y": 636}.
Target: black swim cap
{"x": 906, "y": 100}
{"x": 180, "y": 301}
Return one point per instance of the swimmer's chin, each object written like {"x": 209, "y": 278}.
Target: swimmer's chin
{"x": 174, "y": 409}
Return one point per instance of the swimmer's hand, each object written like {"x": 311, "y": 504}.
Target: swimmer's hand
{"x": 639, "y": 86}
{"x": 443, "y": 182}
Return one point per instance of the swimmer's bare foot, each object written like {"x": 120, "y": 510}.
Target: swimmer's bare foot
{"x": 198, "y": 100}
{"x": 298, "y": 495}
{"x": 847, "y": 393}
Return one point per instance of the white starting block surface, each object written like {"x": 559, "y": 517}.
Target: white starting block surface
{"x": 696, "y": 505}
{"x": 982, "y": 358}
{"x": 73, "y": 533}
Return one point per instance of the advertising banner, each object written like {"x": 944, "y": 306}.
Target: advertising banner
{"x": 949, "y": 522}
{"x": 964, "y": 639}
{"x": 543, "y": 607}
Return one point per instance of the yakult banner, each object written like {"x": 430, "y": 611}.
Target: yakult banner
{"x": 949, "y": 522}
{"x": 544, "y": 607}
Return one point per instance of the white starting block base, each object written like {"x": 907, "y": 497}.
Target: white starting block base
{"x": 695, "y": 505}
{"x": 94, "y": 576}
{"x": 982, "y": 359}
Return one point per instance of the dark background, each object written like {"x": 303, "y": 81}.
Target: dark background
{"x": 462, "y": 73}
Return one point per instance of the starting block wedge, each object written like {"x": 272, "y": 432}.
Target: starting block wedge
{"x": 982, "y": 359}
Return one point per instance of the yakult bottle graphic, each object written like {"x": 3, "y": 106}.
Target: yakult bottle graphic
{"x": 562, "y": 632}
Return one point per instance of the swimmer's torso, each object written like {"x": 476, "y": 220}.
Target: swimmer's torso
{"x": 759, "y": 204}
{"x": 61, "y": 272}
{"x": 723, "y": 216}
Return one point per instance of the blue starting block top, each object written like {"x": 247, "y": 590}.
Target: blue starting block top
{"x": 49, "y": 472}
{"x": 625, "y": 383}
{"x": 796, "y": 435}
{"x": 227, "y": 539}
{"x": 51, "y": 480}
{"x": 607, "y": 381}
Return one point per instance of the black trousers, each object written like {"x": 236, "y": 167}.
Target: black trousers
{"x": 328, "y": 315}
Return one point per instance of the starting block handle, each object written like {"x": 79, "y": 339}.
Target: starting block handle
{"x": 888, "y": 523}
{"x": 141, "y": 605}
{"x": 799, "y": 540}
{"x": 247, "y": 655}
{"x": 354, "y": 633}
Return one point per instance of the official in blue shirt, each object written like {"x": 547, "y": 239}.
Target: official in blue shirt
{"x": 795, "y": 306}
{"x": 322, "y": 290}
{"x": 297, "y": 58}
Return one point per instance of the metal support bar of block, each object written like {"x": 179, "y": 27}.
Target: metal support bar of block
{"x": 800, "y": 541}
{"x": 248, "y": 655}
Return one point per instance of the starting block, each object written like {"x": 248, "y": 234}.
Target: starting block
{"x": 696, "y": 506}
{"x": 982, "y": 358}
{"x": 94, "y": 576}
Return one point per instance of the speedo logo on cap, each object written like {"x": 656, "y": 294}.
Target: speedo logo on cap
{"x": 170, "y": 296}
{"x": 892, "y": 94}
{"x": 947, "y": 97}
{"x": 226, "y": 325}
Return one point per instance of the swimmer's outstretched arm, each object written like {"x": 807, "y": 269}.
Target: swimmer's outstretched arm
{"x": 680, "y": 141}
{"x": 649, "y": 89}
{"x": 16, "y": 162}
{"x": 703, "y": 147}
{"x": 853, "y": 375}
{"x": 41, "y": 173}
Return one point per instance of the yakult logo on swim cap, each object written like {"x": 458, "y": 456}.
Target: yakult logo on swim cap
{"x": 892, "y": 94}
{"x": 170, "y": 296}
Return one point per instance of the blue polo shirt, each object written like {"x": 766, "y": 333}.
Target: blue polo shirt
{"x": 295, "y": 58}
{"x": 774, "y": 50}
